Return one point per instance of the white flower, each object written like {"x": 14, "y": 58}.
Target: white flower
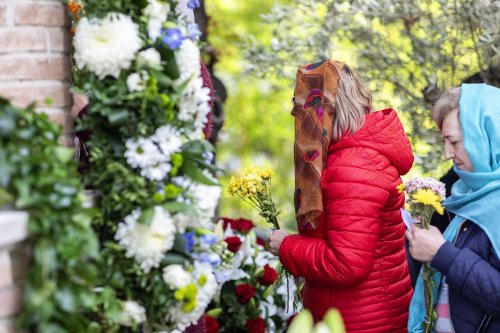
{"x": 206, "y": 289}
{"x": 157, "y": 13}
{"x": 137, "y": 82}
{"x": 195, "y": 103}
{"x": 106, "y": 46}
{"x": 176, "y": 277}
{"x": 169, "y": 139}
{"x": 182, "y": 221}
{"x": 267, "y": 307}
{"x": 188, "y": 60}
{"x": 157, "y": 9}
{"x": 141, "y": 152}
{"x": 154, "y": 28}
{"x": 158, "y": 171}
{"x": 146, "y": 243}
{"x": 150, "y": 57}
{"x": 132, "y": 313}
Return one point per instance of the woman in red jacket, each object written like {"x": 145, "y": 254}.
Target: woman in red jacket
{"x": 348, "y": 163}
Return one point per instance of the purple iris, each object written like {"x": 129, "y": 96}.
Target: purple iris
{"x": 193, "y": 4}
{"x": 173, "y": 38}
{"x": 189, "y": 236}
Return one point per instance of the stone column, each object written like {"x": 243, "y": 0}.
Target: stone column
{"x": 34, "y": 62}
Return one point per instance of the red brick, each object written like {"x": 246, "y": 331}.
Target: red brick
{"x": 11, "y": 301}
{"x": 15, "y": 39}
{"x": 57, "y": 68}
{"x": 47, "y": 14}
{"x": 29, "y": 92}
{"x": 6, "y": 274}
{"x": 3, "y": 14}
{"x": 59, "y": 39}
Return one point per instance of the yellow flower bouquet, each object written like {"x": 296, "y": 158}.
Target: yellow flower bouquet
{"x": 254, "y": 187}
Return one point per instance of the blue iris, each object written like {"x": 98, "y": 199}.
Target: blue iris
{"x": 173, "y": 38}
{"x": 193, "y": 4}
{"x": 190, "y": 240}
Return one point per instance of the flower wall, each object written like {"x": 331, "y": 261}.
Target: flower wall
{"x": 150, "y": 167}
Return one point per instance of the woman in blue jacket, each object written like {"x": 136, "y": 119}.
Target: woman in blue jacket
{"x": 466, "y": 257}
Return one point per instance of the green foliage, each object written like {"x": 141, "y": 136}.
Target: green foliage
{"x": 39, "y": 176}
{"x": 409, "y": 51}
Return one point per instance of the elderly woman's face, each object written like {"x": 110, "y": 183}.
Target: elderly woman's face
{"x": 453, "y": 142}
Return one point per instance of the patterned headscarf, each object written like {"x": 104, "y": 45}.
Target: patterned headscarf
{"x": 314, "y": 102}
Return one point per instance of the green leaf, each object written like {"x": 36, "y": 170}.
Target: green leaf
{"x": 65, "y": 299}
{"x": 118, "y": 117}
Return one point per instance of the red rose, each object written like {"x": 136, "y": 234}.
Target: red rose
{"x": 243, "y": 225}
{"x": 257, "y": 325}
{"x": 240, "y": 224}
{"x": 211, "y": 325}
{"x": 261, "y": 242}
{"x": 268, "y": 277}
{"x": 244, "y": 292}
{"x": 233, "y": 243}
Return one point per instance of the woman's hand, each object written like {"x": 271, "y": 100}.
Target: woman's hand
{"x": 275, "y": 241}
{"x": 424, "y": 243}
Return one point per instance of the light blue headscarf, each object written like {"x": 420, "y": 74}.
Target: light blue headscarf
{"x": 476, "y": 195}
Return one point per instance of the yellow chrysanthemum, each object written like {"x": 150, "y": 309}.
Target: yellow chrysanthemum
{"x": 400, "y": 187}
{"x": 439, "y": 208}
{"x": 427, "y": 197}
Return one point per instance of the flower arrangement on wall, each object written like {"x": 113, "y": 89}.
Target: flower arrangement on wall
{"x": 151, "y": 169}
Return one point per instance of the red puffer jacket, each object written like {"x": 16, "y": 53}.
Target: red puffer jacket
{"x": 355, "y": 260}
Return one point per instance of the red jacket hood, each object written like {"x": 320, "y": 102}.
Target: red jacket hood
{"x": 383, "y": 132}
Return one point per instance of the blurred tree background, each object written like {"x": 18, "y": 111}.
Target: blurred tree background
{"x": 408, "y": 51}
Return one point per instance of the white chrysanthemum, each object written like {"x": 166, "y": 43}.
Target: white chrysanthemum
{"x": 206, "y": 200}
{"x": 168, "y": 138}
{"x": 133, "y": 313}
{"x": 204, "y": 295}
{"x": 183, "y": 221}
{"x": 141, "y": 153}
{"x": 157, "y": 9}
{"x": 188, "y": 60}
{"x": 157, "y": 13}
{"x": 157, "y": 171}
{"x": 147, "y": 243}
{"x": 137, "y": 82}
{"x": 195, "y": 103}
{"x": 176, "y": 277}
{"x": 150, "y": 57}
{"x": 106, "y": 46}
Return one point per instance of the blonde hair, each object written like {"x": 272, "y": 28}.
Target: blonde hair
{"x": 353, "y": 101}
{"x": 447, "y": 102}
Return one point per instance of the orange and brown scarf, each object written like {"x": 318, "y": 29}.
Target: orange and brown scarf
{"x": 314, "y": 102}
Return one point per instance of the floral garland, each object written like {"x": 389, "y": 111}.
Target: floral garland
{"x": 252, "y": 298}
{"x": 150, "y": 166}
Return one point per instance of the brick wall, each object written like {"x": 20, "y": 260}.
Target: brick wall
{"x": 34, "y": 62}
{"x": 34, "y": 67}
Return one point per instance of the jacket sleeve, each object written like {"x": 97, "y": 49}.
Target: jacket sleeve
{"x": 354, "y": 196}
{"x": 473, "y": 277}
